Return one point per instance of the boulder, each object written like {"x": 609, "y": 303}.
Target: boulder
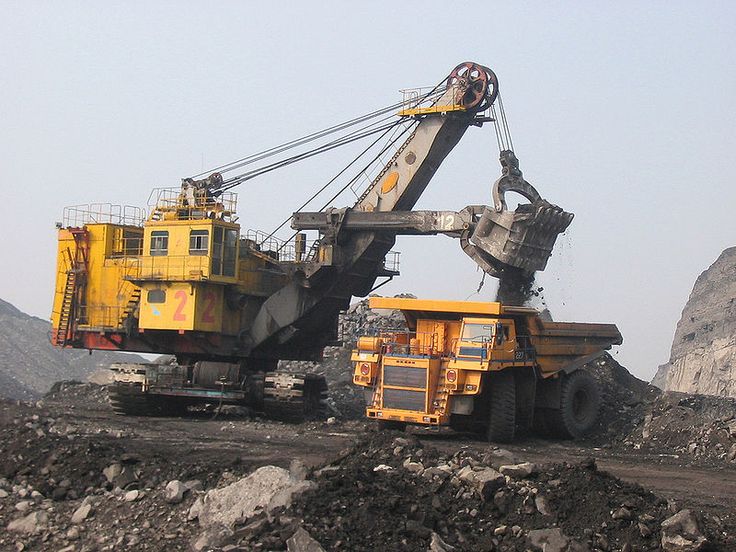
{"x": 518, "y": 471}
{"x": 542, "y": 506}
{"x": 30, "y": 524}
{"x": 438, "y": 545}
{"x": 266, "y": 488}
{"x": 174, "y": 492}
{"x": 82, "y": 513}
{"x": 193, "y": 485}
{"x": 302, "y": 541}
{"x": 112, "y": 471}
{"x": 681, "y": 533}
{"x": 485, "y": 481}
{"x": 211, "y": 538}
{"x": 548, "y": 540}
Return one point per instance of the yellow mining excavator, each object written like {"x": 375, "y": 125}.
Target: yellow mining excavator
{"x": 481, "y": 365}
{"x": 185, "y": 279}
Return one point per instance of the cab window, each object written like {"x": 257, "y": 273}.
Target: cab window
{"x": 159, "y": 243}
{"x": 478, "y": 333}
{"x": 199, "y": 242}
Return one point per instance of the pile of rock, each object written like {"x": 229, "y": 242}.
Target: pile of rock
{"x": 692, "y": 426}
{"x": 389, "y": 493}
{"x": 64, "y": 491}
{"x": 625, "y": 399}
{"x": 71, "y": 393}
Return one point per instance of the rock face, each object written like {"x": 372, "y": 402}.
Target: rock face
{"x": 30, "y": 365}
{"x": 703, "y": 357}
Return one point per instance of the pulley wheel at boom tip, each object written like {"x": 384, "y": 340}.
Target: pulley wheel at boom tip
{"x": 482, "y": 85}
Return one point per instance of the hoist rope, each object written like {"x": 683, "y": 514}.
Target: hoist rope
{"x": 333, "y": 179}
{"x": 352, "y": 180}
{"x": 352, "y": 137}
{"x": 315, "y": 135}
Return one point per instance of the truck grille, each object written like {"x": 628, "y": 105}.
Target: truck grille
{"x": 403, "y": 399}
{"x": 403, "y": 376}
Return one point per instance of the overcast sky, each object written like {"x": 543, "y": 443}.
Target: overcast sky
{"x": 623, "y": 113}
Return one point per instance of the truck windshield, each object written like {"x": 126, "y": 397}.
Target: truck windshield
{"x": 479, "y": 333}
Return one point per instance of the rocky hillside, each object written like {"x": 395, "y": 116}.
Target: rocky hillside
{"x": 29, "y": 365}
{"x": 703, "y": 357}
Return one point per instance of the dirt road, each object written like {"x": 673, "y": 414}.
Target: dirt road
{"x": 234, "y": 440}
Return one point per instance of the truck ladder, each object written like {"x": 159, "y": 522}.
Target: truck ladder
{"x": 439, "y": 403}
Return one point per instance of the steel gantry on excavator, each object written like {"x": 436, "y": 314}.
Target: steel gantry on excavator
{"x": 183, "y": 280}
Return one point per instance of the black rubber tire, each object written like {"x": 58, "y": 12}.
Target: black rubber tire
{"x": 580, "y": 404}
{"x": 502, "y": 420}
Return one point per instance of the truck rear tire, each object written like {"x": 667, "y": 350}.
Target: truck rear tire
{"x": 502, "y": 422}
{"x": 580, "y": 403}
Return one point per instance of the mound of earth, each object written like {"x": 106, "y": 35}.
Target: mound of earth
{"x": 390, "y": 493}
{"x": 691, "y": 426}
{"x": 29, "y": 364}
{"x": 76, "y": 477}
{"x": 625, "y": 399}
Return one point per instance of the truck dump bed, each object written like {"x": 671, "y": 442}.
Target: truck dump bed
{"x": 569, "y": 345}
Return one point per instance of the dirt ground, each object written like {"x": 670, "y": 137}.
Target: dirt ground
{"x": 54, "y": 453}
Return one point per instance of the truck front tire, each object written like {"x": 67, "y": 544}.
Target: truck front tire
{"x": 502, "y": 422}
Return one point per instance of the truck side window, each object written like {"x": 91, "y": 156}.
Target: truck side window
{"x": 159, "y": 243}
{"x": 501, "y": 334}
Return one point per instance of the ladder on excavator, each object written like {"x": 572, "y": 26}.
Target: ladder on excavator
{"x": 75, "y": 280}
{"x": 130, "y": 307}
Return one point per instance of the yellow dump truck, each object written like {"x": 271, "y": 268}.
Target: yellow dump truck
{"x": 481, "y": 365}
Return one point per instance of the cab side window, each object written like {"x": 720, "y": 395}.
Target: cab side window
{"x": 159, "y": 243}
{"x": 199, "y": 242}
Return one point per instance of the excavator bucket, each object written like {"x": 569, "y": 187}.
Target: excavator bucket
{"x": 522, "y": 239}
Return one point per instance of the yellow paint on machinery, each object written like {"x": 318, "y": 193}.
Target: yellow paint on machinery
{"x": 452, "y": 348}
{"x": 110, "y": 253}
{"x": 169, "y": 272}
